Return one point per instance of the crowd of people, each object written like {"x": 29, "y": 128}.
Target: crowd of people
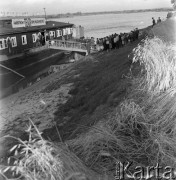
{"x": 114, "y": 41}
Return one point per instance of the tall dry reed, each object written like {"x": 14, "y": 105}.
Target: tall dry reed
{"x": 158, "y": 60}
{"x": 38, "y": 159}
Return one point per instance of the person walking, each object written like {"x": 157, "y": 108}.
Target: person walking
{"x": 153, "y": 21}
{"x": 158, "y": 20}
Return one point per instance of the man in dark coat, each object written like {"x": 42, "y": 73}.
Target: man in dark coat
{"x": 153, "y": 21}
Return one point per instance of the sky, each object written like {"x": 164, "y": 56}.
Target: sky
{"x": 65, "y": 6}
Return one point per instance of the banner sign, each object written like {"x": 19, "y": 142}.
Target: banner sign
{"x": 28, "y": 22}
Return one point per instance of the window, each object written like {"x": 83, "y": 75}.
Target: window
{"x": 2, "y": 45}
{"x": 68, "y": 31}
{"x": 6, "y": 43}
{"x": 64, "y": 32}
{"x": 34, "y": 37}
{"x": 24, "y": 39}
{"x": 52, "y": 33}
{"x": 14, "y": 42}
{"x": 59, "y": 33}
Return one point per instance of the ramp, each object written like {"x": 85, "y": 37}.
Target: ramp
{"x": 69, "y": 46}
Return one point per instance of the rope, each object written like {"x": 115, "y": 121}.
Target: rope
{"x": 12, "y": 71}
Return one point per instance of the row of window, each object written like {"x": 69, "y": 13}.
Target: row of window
{"x": 4, "y": 43}
{"x": 59, "y": 33}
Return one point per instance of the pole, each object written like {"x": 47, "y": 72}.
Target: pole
{"x": 12, "y": 71}
{"x": 44, "y": 12}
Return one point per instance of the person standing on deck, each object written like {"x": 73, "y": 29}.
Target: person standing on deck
{"x": 63, "y": 41}
{"x": 9, "y": 45}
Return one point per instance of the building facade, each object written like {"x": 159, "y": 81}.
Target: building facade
{"x": 20, "y": 35}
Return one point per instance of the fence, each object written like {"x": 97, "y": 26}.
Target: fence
{"x": 68, "y": 44}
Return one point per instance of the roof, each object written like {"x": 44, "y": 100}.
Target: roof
{"x": 49, "y": 25}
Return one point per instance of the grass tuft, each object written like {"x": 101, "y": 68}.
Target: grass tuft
{"x": 158, "y": 60}
{"x": 38, "y": 159}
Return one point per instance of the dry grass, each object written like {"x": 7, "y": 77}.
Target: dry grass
{"x": 142, "y": 129}
{"x": 123, "y": 137}
{"x": 38, "y": 159}
{"x": 158, "y": 60}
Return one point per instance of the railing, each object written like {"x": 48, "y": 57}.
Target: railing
{"x": 67, "y": 44}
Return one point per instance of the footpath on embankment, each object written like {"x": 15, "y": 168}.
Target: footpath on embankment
{"x": 166, "y": 30}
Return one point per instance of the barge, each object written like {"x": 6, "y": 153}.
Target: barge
{"x": 19, "y": 36}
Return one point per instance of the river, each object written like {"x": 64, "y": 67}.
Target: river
{"x": 105, "y": 24}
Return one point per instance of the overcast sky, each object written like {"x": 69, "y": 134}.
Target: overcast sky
{"x": 64, "y": 6}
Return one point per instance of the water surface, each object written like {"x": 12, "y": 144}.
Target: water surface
{"x": 106, "y": 24}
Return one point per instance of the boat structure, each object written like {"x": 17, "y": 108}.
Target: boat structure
{"x": 24, "y": 36}
{"x": 18, "y": 36}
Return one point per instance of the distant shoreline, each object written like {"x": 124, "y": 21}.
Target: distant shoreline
{"x": 68, "y": 15}
{"x": 108, "y": 12}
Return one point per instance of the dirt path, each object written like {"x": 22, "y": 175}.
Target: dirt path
{"x": 37, "y": 102}
{"x": 166, "y": 30}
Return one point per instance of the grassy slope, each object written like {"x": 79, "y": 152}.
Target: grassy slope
{"x": 143, "y": 127}
{"x": 100, "y": 86}
{"x": 166, "y": 30}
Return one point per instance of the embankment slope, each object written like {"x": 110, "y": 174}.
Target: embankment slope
{"x": 166, "y": 30}
{"x": 96, "y": 86}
